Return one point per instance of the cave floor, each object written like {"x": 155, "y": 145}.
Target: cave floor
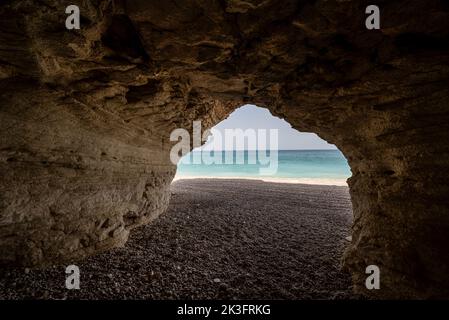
{"x": 219, "y": 239}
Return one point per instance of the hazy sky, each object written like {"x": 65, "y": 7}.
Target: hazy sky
{"x": 252, "y": 117}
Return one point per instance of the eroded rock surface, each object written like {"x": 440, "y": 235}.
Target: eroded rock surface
{"x": 86, "y": 116}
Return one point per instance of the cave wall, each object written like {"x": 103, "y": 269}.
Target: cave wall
{"x": 86, "y": 117}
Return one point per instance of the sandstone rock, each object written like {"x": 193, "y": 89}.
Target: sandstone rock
{"x": 86, "y": 115}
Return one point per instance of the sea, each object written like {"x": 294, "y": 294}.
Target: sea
{"x": 328, "y": 167}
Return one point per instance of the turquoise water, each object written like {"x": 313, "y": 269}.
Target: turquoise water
{"x": 292, "y": 164}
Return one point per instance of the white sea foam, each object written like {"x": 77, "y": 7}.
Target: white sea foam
{"x": 316, "y": 181}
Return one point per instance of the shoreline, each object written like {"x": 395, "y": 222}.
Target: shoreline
{"x": 310, "y": 181}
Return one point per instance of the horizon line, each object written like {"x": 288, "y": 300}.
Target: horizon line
{"x": 333, "y": 149}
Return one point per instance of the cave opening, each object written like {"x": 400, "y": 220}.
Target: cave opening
{"x": 283, "y": 226}
{"x": 252, "y": 143}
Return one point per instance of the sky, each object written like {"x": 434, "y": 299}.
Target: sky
{"x": 252, "y": 117}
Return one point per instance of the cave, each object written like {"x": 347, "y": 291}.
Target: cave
{"x": 86, "y": 117}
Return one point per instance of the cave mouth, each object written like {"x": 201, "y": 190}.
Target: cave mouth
{"x": 252, "y": 143}
{"x": 295, "y": 217}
